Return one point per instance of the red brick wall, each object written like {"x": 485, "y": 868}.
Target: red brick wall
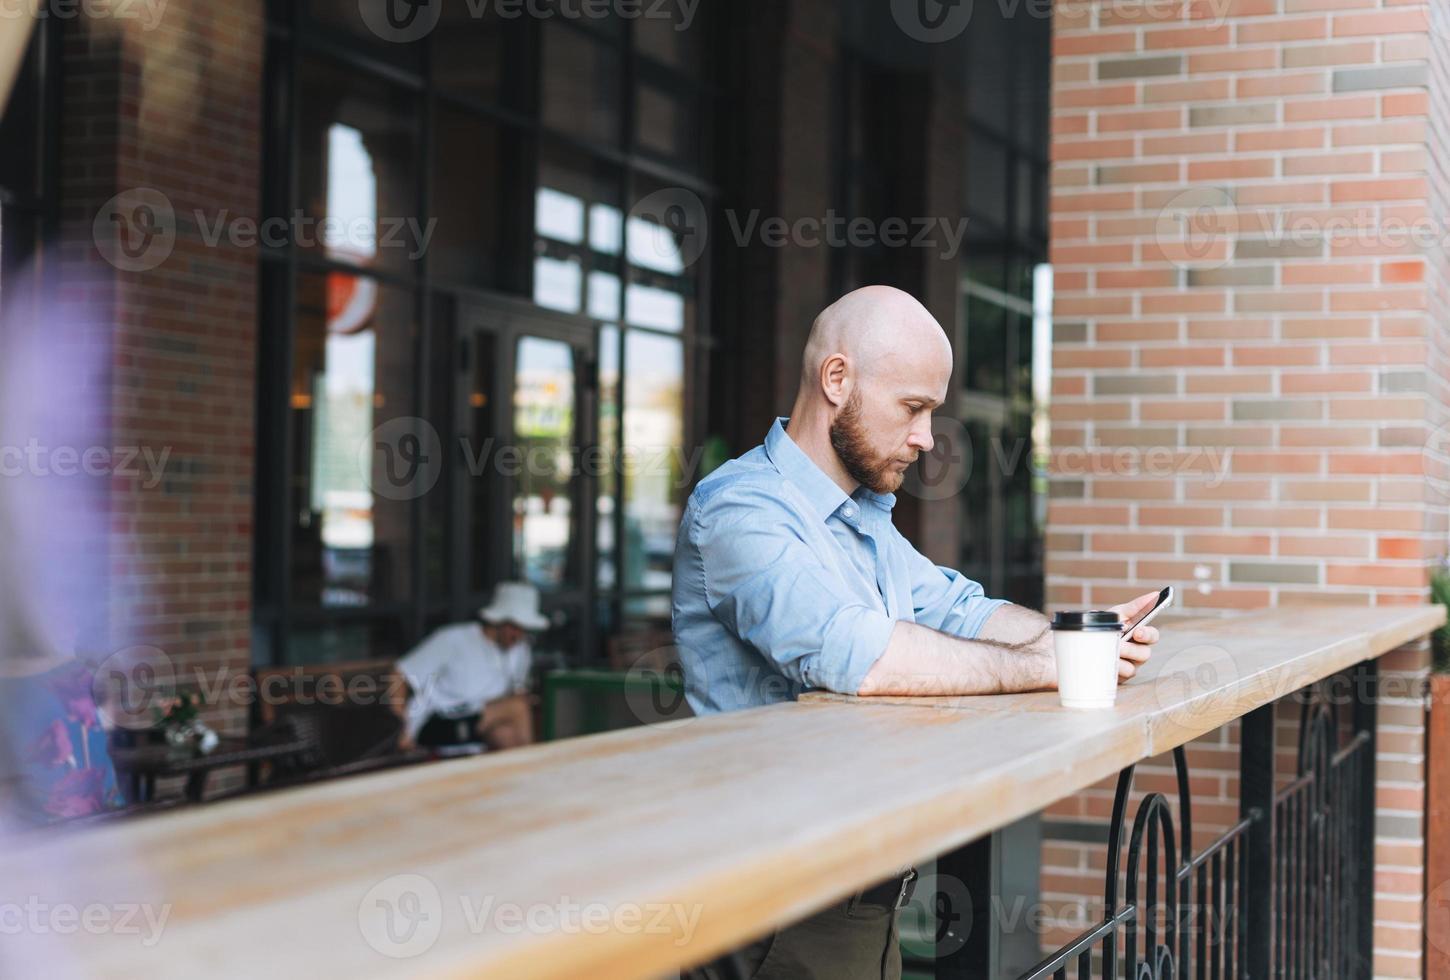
{"x": 1249, "y": 359}
{"x": 168, "y": 113}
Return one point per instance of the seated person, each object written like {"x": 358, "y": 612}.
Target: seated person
{"x": 54, "y": 761}
{"x": 469, "y": 681}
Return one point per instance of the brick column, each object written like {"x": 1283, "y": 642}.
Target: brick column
{"x": 1250, "y": 356}
{"x": 166, "y": 112}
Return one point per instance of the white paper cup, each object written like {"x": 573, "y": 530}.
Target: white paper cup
{"x": 1086, "y": 646}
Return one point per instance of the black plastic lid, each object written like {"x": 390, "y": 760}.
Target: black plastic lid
{"x": 1099, "y": 621}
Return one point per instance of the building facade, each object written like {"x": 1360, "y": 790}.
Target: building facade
{"x": 416, "y": 300}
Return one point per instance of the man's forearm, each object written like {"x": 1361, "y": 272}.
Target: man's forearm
{"x": 1017, "y": 626}
{"x": 919, "y": 661}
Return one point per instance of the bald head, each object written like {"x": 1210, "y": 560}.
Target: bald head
{"x": 876, "y": 366}
{"x": 870, "y": 327}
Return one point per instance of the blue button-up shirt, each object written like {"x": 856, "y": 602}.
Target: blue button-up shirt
{"x": 783, "y": 583}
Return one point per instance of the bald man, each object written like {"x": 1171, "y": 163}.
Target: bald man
{"x": 789, "y": 576}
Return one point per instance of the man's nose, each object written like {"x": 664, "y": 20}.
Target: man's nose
{"x": 920, "y": 438}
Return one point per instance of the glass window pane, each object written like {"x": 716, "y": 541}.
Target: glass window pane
{"x": 480, "y": 216}
{"x": 544, "y": 433}
{"x": 480, "y": 56}
{"x": 558, "y": 283}
{"x": 986, "y": 180}
{"x": 986, "y": 354}
{"x": 663, "y": 307}
{"x": 578, "y": 200}
{"x": 654, "y": 433}
{"x": 359, "y": 168}
{"x": 604, "y": 296}
{"x": 383, "y": 29}
{"x": 607, "y": 482}
{"x": 579, "y": 224}
{"x": 438, "y": 543}
{"x": 674, "y": 37}
{"x": 581, "y": 85}
{"x": 667, "y": 124}
{"x": 344, "y": 642}
{"x": 20, "y": 133}
{"x": 360, "y": 458}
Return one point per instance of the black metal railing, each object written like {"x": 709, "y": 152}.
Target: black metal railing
{"x": 1286, "y": 892}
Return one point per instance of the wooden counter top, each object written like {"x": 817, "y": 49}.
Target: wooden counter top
{"x": 698, "y": 835}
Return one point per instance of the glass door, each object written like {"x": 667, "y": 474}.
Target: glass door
{"x": 524, "y": 470}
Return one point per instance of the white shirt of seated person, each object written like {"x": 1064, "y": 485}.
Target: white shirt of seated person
{"x": 458, "y": 669}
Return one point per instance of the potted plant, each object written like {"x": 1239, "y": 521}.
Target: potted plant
{"x": 178, "y": 718}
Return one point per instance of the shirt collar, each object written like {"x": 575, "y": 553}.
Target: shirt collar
{"x": 822, "y": 492}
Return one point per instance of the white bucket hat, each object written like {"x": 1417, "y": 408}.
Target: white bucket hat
{"x": 515, "y": 602}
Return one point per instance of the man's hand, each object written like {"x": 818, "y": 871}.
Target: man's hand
{"x": 1136, "y": 649}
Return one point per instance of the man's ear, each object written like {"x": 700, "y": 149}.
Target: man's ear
{"x": 836, "y": 379}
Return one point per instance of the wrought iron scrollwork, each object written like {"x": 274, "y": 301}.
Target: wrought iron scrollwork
{"x": 1185, "y": 914}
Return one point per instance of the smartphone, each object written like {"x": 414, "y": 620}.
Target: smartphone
{"x": 1165, "y": 599}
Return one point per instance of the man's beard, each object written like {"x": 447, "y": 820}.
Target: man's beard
{"x": 848, "y": 439}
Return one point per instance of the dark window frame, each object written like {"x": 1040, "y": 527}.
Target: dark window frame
{"x": 291, "y": 39}
{"x": 40, "y": 203}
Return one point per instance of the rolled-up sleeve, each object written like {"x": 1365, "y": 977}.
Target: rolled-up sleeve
{"x": 771, "y": 590}
{"x": 943, "y": 598}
